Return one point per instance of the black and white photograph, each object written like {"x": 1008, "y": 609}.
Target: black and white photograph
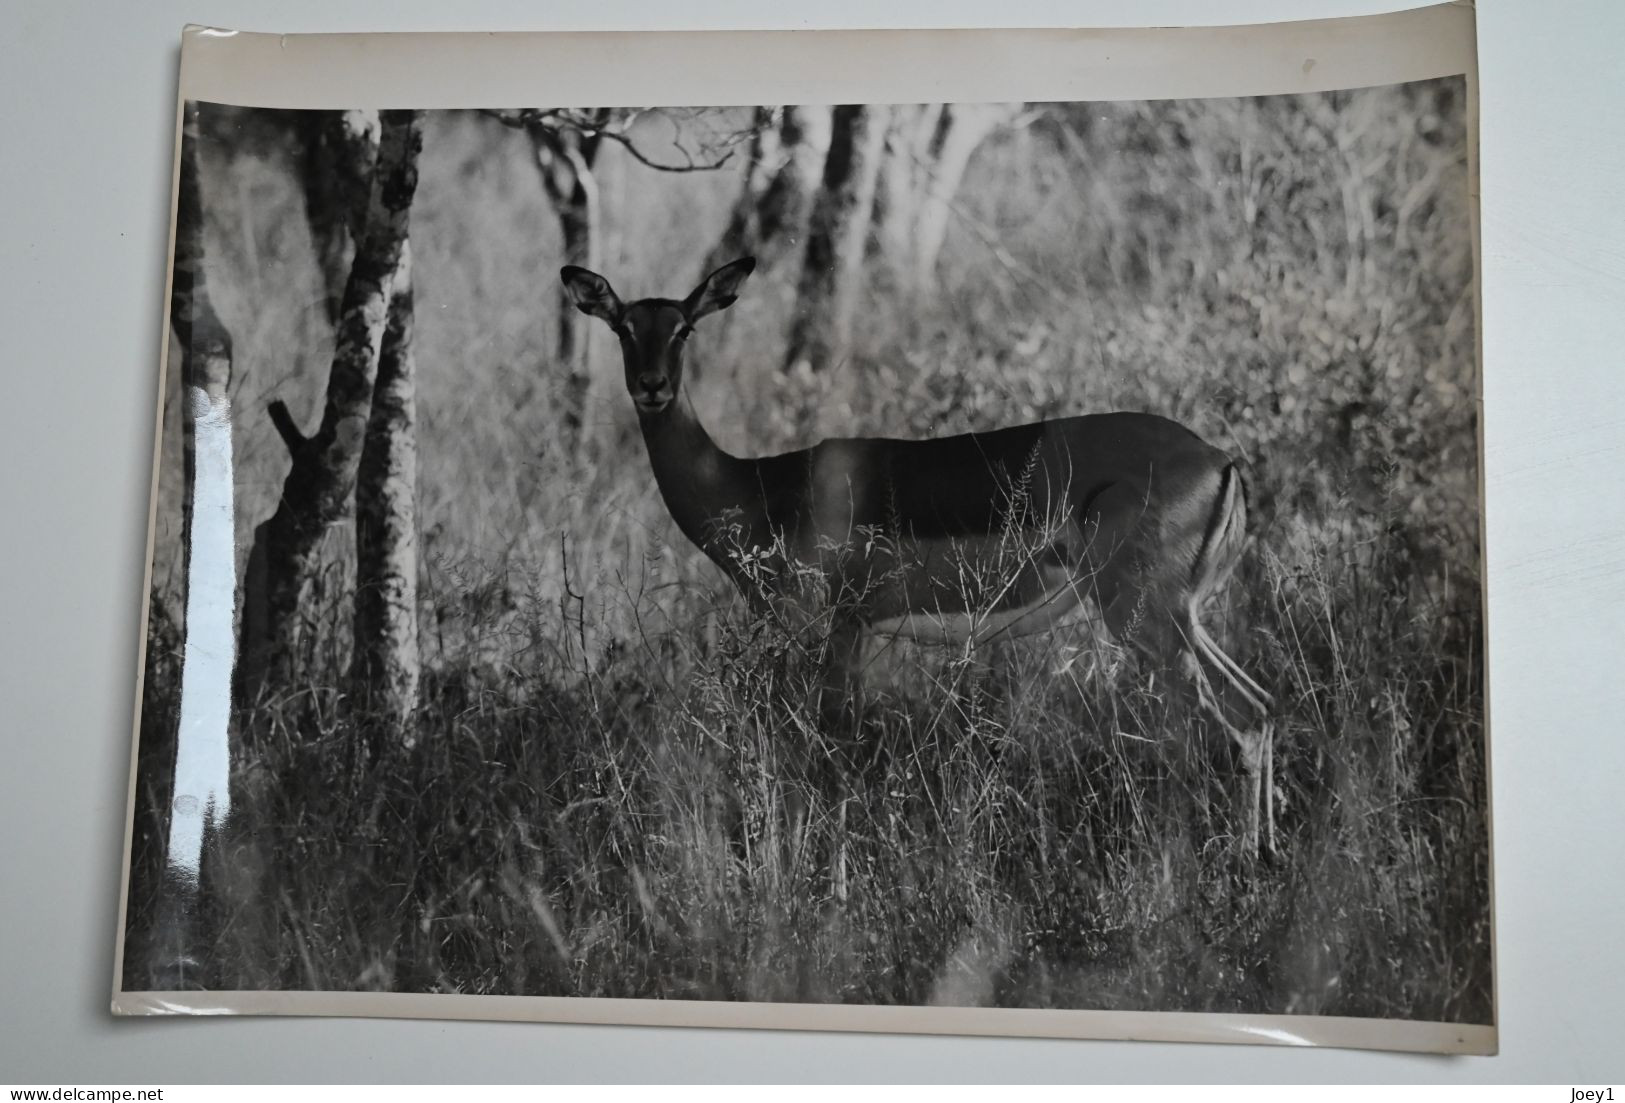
{"x": 1007, "y": 555}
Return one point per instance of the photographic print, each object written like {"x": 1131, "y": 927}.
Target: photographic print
{"x": 1011, "y": 554}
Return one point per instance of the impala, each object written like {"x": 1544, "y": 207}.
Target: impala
{"x": 963, "y": 538}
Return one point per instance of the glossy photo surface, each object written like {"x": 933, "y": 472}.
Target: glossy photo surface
{"x": 1008, "y": 565}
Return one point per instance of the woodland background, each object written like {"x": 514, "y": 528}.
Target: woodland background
{"x": 585, "y": 794}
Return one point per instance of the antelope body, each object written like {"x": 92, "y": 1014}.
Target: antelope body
{"x": 967, "y": 537}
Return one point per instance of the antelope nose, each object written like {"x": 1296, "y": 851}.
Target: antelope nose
{"x": 651, "y": 383}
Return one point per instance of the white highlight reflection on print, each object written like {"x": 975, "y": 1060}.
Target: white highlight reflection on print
{"x": 202, "y": 750}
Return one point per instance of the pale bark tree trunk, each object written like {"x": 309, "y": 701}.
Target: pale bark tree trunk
{"x": 837, "y": 232}
{"x": 189, "y": 763}
{"x": 907, "y": 158}
{"x": 386, "y": 615}
{"x": 741, "y": 235}
{"x": 340, "y": 158}
{"x": 770, "y": 216}
{"x": 610, "y": 170}
{"x": 318, "y": 488}
{"x": 958, "y": 132}
{"x": 564, "y": 157}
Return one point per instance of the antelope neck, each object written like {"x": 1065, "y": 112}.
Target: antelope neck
{"x": 698, "y": 480}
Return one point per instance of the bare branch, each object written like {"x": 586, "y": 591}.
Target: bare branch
{"x": 615, "y": 125}
{"x": 286, "y": 427}
{"x": 691, "y": 165}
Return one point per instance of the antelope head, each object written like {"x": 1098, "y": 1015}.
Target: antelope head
{"x": 653, "y": 331}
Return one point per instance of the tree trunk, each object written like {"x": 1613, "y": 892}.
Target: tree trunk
{"x": 565, "y": 159}
{"x": 340, "y": 158}
{"x": 961, "y": 129}
{"x": 319, "y": 484}
{"x": 341, "y": 148}
{"x": 838, "y": 228}
{"x": 386, "y": 615}
{"x": 770, "y": 215}
{"x": 190, "y": 764}
{"x": 907, "y": 159}
{"x": 740, "y": 236}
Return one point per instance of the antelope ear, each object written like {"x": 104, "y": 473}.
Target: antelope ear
{"x": 592, "y": 294}
{"x": 718, "y": 290}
